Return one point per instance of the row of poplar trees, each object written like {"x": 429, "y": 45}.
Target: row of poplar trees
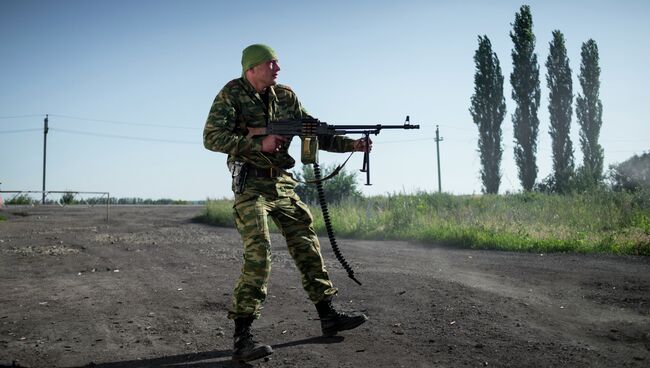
{"x": 488, "y": 109}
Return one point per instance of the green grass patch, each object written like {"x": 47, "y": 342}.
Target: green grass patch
{"x": 217, "y": 212}
{"x": 603, "y": 222}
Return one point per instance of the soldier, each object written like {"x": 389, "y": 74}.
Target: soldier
{"x": 261, "y": 190}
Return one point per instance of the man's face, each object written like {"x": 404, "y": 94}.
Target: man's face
{"x": 265, "y": 74}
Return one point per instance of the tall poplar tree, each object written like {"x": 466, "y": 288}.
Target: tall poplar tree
{"x": 488, "y": 109}
{"x": 526, "y": 94}
{"x": 560, "y": 97}
{"x": 589, "y": 111}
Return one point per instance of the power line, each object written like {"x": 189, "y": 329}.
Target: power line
{"x": 13, "y": 131}
{"x": 122, "y": 136}
{"x": 21, "y": 116}
{"x": 457, "y": 128}
{"x": 19, "y": 130}
{"x": 405, "y": 140}
{"x": 124, "y": 122}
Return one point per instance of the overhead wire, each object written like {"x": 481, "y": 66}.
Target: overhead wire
{"x": 19, "y": 130}
{"x": 122, "y": 136}
{"x": 146, "y": 139}
{"x": 123, "y": 122}
{"x": 21, "y": 116}
{"x": 169, "y": 126}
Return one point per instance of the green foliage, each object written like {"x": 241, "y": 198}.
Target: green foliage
{"x": 598, "y": 221}
{"x": 136, "y": 201}
{"x": 560, "y": 97}
{"x": 21, "y": 199}
{"x": 341, "y": 187}
{"x": 2, "y": 218}
{"x": 68, "y": 198}
{"x": 98, "y": 200}
{"x": 217, "y": 212}
{"x": 590, "y": 222}
{"x": 583, "y": 181}
{"x": 526, "y": 93}
{"x": 579, "y": 181}
{"x": 589, "y": 110}
{"x": 488, "y": 109}
{"x": 631, "y": 175}
{"x": 133, "y": 200}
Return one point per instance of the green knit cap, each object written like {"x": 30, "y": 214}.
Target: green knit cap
{"x": 256, "y": 54}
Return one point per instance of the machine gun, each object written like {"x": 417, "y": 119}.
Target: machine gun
{"x": 309, "y": 129}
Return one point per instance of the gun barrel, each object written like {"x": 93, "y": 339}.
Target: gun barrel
{"x": 404, "y": 126}
{"x": 375, "y": 126}
{"x": 370, "y": 129}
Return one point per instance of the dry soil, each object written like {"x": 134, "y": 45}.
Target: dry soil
{"x": 150, "y": 288}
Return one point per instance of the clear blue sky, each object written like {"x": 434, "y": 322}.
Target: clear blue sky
{"x": 157, "y": 66}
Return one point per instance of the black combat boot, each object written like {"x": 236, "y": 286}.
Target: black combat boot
{"x": 246, "y": 349}
{"x": 332, "y": 321}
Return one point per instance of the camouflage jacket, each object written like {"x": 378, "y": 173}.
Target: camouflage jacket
{"x": 239, "y": 106}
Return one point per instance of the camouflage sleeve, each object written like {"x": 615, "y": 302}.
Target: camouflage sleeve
{"x": 337, "y": 143}
{"x": 220, "y": 132}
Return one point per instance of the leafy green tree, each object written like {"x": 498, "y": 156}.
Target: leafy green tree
{"x": 341, "y": 187}
{"x": 488, "y": 109}
{"x": 589, "y": 111}
{"x": 526, "y": 93}
{"x": 560, "y": 85}
{"x": 632, "y": 174}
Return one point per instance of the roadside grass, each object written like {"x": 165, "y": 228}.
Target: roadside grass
{"x": 601, "y": 222}
{"x": 217, "y": 212}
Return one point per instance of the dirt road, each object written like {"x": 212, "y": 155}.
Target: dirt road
{"x": 150, "y": 288}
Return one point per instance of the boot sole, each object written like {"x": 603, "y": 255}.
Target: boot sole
{"x": 258, "y": 354}
{"x": 348, "y": 326}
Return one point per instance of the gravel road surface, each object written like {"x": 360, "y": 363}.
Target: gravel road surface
{"x": 150, "y": 288}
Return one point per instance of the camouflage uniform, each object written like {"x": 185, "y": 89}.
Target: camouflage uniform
{"x": 237, "y": 107}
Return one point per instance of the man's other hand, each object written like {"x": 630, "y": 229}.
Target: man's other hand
{"x": 360, "y": 145}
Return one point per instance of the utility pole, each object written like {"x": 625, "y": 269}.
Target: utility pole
{"x": 45, "y": 129}
{"x": 438, "y": 139}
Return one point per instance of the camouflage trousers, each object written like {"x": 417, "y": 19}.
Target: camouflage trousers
{"x": 296, "y": 224}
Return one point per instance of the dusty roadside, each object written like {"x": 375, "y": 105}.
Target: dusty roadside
{"x": 149, "y": 288}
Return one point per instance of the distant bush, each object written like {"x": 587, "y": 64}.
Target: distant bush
{"x": 632, "y": 175}
{"x": 341, "y": 187}
{"x": 67, "y": 198}
{"x": 21, "y": 199}
{"x": 217, "y": 212}
{"x": 136, "y": 201}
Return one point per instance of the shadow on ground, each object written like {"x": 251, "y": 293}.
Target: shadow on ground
{"x": 211, "y": 359}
